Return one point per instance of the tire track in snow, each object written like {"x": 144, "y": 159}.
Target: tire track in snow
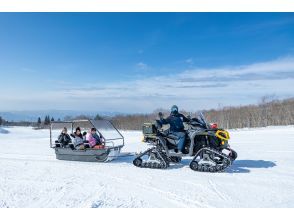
{"x": 218, "y": 192}
{"x": 212, "y": 189}
{"x": 156, "y": 191}
{"x": 27, "y": 157}
{"x": 106, "y": 198}
{"x": 98, "y": 203}
{"x": 173, "y": 197}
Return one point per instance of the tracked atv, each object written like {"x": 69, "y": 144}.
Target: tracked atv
{"x": 207, "y": 145}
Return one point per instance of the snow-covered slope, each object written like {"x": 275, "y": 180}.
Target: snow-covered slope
{"x": 262, "y": 176}
{"x": 3, "y": 131}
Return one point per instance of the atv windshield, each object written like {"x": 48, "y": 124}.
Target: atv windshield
{"x": 199, "y": 121}
{"x": 203, "y": 120}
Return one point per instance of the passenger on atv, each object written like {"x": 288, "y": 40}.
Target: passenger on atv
{"x": 175, "y": 120}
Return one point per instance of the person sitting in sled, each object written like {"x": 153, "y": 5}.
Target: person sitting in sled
{"x": 78, "y": 139}
{"x": 97, "y": 137}
{"x": 175, "y": 120}
{"x": 93, "y": 138}
{"x": 64, "y": 139}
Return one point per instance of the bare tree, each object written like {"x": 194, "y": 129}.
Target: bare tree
{"x": 269, "y": 111}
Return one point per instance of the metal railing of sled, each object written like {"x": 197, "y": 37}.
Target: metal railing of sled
{"x": 106, "y": 147}
{"x": 90, "y": 121}
{"x": 112, "y": 139}
{"x": 108, "y": 141}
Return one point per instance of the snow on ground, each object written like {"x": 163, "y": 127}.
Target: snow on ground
{"x": 262, "y": 176}
{"x": 3, "y": 131}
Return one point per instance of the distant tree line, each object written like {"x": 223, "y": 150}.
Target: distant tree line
{"x": 84, "y": 117}
{"x": 46, "y": 122}
{"x": 132, "y": 122}
{"x": 2, "y": 121}
{"x": 268, "y": 112}
{"x": 38, "y": 124}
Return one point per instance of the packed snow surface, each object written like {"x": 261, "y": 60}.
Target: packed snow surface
{"x": 3, "y": 131}
{"x": 262, "y": 176}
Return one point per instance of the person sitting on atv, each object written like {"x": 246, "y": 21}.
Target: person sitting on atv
{"x": 175, "y": 120}
{"x": 64, "y": 139}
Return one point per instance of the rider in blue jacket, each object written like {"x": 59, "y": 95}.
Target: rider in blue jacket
{"x": 175, "y": 120}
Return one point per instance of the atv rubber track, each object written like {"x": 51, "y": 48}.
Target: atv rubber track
{"x": 219, "y": 167}
{"x": 162, "y": 160}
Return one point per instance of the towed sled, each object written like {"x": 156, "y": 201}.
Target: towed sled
{"x": 109, "y": 150}
{"x": 206, "y": 144}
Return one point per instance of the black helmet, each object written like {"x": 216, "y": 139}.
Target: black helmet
{"x": 174, "y": 109}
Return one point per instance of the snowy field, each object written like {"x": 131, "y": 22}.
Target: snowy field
{"x": 262, "y": 176}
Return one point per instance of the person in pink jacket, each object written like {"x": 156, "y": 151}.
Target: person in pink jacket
{"x": 91, "y": 139}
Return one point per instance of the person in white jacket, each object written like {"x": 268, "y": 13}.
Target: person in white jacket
{"x": 78, "y": 139}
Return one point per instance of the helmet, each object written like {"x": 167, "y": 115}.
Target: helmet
{"x": 174, "y": 109}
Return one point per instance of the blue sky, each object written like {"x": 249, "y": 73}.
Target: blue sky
{"x": 137, "y": 62}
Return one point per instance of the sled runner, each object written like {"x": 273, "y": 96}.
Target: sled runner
{"x": 207, "y": 144}
{"x": 112, "y": 141}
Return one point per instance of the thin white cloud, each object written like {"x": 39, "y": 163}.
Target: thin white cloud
{"x": 193, "y": 90}
{"x": 189, "y": 61}
{"x": 228, "y": 85}
{"x": 142, "y": 66}
{"x": 266, "y": 69}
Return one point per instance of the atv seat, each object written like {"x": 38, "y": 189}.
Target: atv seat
{"x": 172, "y": 141}
{"x": 172, "y": 136}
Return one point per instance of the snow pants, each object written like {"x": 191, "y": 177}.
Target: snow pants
{"x": 181, "y": 136}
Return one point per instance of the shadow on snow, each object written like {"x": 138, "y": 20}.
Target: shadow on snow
{"x": 243, "y": 166}
{"x": 238, "y": 166}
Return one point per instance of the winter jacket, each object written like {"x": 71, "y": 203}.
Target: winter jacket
{"x": 78, "y": 139}
{"x": 91, "y": 139}
{"x": 64, "y": 139}
{"x": 97, "y": 138}
{"x": 175, "y": 121}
